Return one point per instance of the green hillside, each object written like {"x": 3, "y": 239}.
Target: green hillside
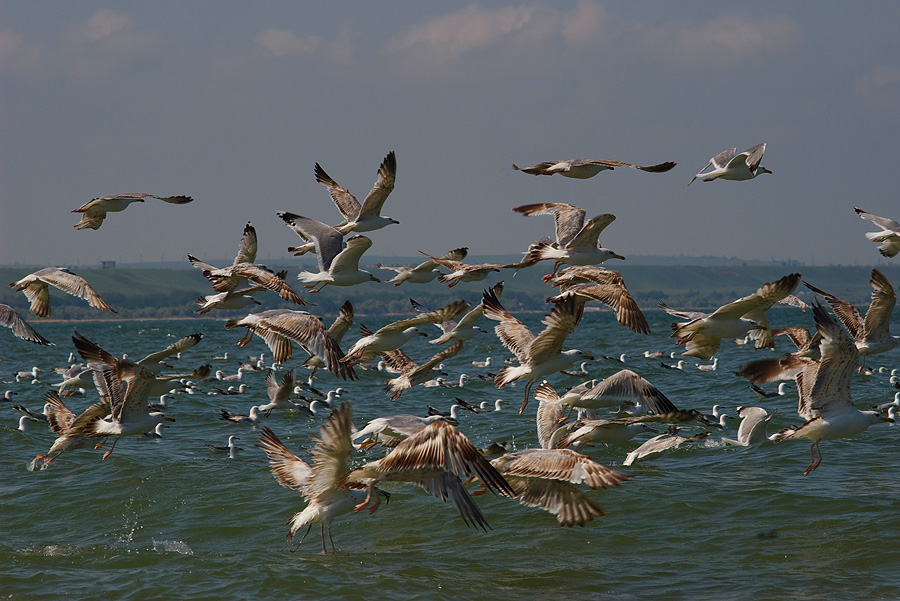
{"x": 147, "y": 293}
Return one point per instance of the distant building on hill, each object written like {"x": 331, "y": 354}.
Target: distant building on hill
{"x": 107, "y": 264}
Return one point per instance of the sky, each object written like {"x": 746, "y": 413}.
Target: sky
{"x": 234, "y": 102}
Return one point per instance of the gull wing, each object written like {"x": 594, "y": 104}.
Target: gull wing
{"x": 753, "y": 156}
{"x": 348, "y": 259}
{"x": 831, "y": 386}
{"x": 628, "y": 386}
{"x": 560, "y": 322}
{"x": 884, "y": 299}
{"x": 331, "y": 455}
{"x": 345, "y": 202}
{"x": 20, "y": 328}
{"x": 882, "y": 222}
{"x": 587, "y": 237}
{"x": 290, "y": 471}
{"x": 514, "y": 334}
{"x": 176, "y": 347}
{"x": 387, "y": 172}
{"x": 847, "y": 313}
{"x": 72, "y": 284}
{"x": 569, "y": 219}
{"x": 248, "y": 246}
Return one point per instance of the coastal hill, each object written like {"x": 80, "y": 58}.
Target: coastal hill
{"x": 154, "y": 291}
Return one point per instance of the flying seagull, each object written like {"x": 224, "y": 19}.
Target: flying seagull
{"x": 94, "y": 212}
{"x": 888, "y": 239}
{"x": 586, "y": 168}
{"x": 727, "y": 165}
{"x": 36, "y": 289}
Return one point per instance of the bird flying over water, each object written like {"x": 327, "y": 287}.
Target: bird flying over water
{"x": 586, "y": 168}
{"x": 727, "y": 165}
{"x": 35, "y": 286}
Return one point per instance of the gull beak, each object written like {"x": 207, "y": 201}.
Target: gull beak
{"x": 615, "y": 256}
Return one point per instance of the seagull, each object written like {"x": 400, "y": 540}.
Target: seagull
{"x": 244, "y": 269}
{"x": 228, "y": 300}
{"x": 411, "y": 373}
{"x": 425, "y": 271}
{"x": 702, "y": 336}
{"x": 787, "y": 367}
{"x": 126, "y": 385}
{"x": 614, "y": 296}
{"x": 586, "y": 168}
{"x": 396, "y": 334}
{"x": 36, "y": 289}
{"x": 20, "y": 328}
{"x": 278, "y": 393}
{"x": 727, "y": 165}
{"x": 606, "y": 431}
{"x": 435, "y": 458}
{"x": 888, "y": 239}
{"x": 390, "y": 430}
{"x": 366, "y": 217}
{"x": 624, "y": 386}
{"x": 463, "y": 272}
{"x": 94, "y": 212}
{"x": 545, "y": 478}
{"x": 231, "y": 448}
{"x": 872, "y": 332}
{"x": 337, "y": 330}
{"x": 824, "y": 387}
{"x": 322, "y": 484}
{"x": 539, "y": 355}
{"x": 338, "y": 259}
{"x": 577, "y": 240}
{"x": 278, "y": 327}
{"x": 752, "y": 430}
{"x": 465, "y": 328}
{"x": 69, "y": 428}
{"x": 240, "y": 419}
{"x": 656, "y": 446}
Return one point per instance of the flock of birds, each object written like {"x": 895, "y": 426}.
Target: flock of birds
{"x": 431, "y": 451}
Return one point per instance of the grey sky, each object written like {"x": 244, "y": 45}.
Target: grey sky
{"x": 233, "y": 103}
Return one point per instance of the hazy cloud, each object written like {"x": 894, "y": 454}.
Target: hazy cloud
{"x": 105, "y": 42}
{"x": 282, "y": 42}
{"x": 880, "y": 87}
{"x": 18, "y": 54}
{"x": 720, "y": 42}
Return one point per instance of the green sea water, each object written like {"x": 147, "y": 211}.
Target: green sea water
{"x": 170, "y": 519}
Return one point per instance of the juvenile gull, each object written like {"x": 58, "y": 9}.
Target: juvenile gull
{"x": 425, "y": 271}
{"x": 586, "y": 168}
{"x": 337, "y": 329}
{"x": 659, "y": 444}
{"x": 327, "y": 496}
{"x": 69, "y": 428}
{"x": 539, "y": 355}
{"x": 411, "y": 373}
{"x": 94, "y": 212}
{"x": 871, "y": 333}
{"x": 888, "y": 239}
{"x": 463, "y": 272}
{"x": 546, "y": 478}
{"x": 434, "y": 458}
{"x": 278, "y": 327}
{"x": 727, "y": 165}
{"x": 465, "y": 328}
{"x": 390, "y": 430}
{"x": 20, "y": 328}
{"x": 396, "y": 334}
{"x": 35, "y": 286}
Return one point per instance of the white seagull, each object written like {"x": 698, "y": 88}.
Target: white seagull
{"x": 727, "y": 165}
{"x": 825, "y": 398}
{"x": 36, "y": 289}
{"x": 364, "y": 217}
{"x": 888, "y": 239}
{"x": 94, "y": 212}
{"x": 577, "y": 240}
{"x": 278, "y": 393}
{"x": 338, "y": 260}
{"x": 539, "y": 355}
{"x": 752, "y": 430}
{"x": 586, "y": 168}
{"x": 703, "y": 334}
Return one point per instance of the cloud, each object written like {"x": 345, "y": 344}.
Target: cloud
{"x": 880, "y": 87}
{"x": 105, "y": 42}
{"x": 721, "y": 42}
{"x": 17, "y": 54}
{"x": 282, "y": 42}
